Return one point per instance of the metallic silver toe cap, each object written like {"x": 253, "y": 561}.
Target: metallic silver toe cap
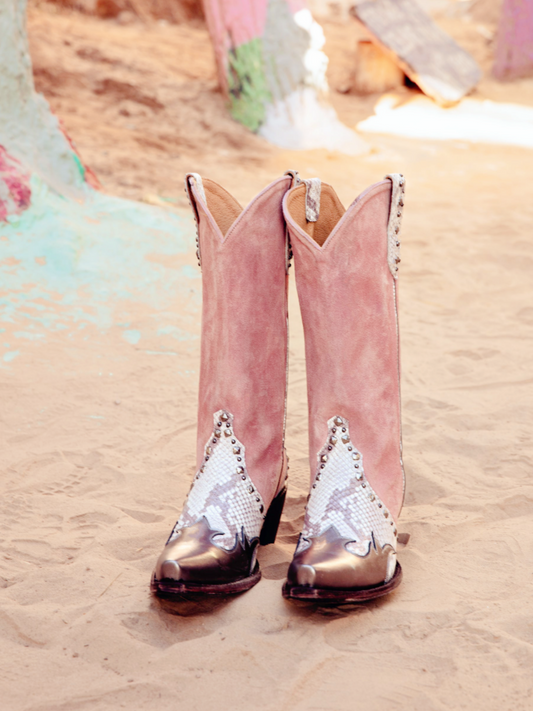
{"x": 193, "y": 556}
{"x": 326, "y": 563}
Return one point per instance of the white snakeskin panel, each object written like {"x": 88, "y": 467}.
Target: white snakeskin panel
{"x": 222, "y": 490}
{"x": 395, "y": 222}
{"x": 342, "y": 497}
{"x": 313, "y": 188}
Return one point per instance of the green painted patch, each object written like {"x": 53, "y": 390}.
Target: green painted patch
{"x": 247, "y": 84}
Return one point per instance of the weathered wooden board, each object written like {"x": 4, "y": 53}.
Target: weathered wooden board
{"x": 514, "y": 43}
{"x": 429, "y": 57}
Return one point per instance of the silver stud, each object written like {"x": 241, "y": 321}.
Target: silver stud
{"x": 197, "y": 476}
{"x": 358, "y": 475}
{"x": 239, "y": 459}
{"x": 322, "y": 466}
{"x": 217, "y": 433}
{"x": 395, "y": 531}
{"x": 338, "y": 421}
{"x": 228, "y": 433}
{"x": 333, "y": 440}
{"x": 380, "y": 505}
{"x": 396, "y": 229}
{"x": 318, "y": 477}
{"x": 251, "y": 489}
{"x": 395, "y": 269}
{"x": 228, "y": 424}
{"x": 350, "y": 448}
{"x": 345, "y": 438}
{"x": 208, "y": 450}
{"x": 398, "y": 242}
{"x": 219, "y": 424}
{"x": 233, "y": 441}
{"x": 324, "y": 458}
{"x": 363, "y": 485}
{"x": 261, "y": 508}
{"x": 386, "y": 514}
{"x": 398, "y": 260}
{"x": 314, "y": 486}
{"x": 400, "y": 203}
{"x": 224, "y": 416}
{"x": 371, "y": 496}
{"x": 240, "y": 470}
{"x": 207, "y": 457}
{"x": 330, "y": 447}
{"x": 214, "y": 441}
{"x": 202, "y": 468}
{"x": 356, "y": 466}
{"x": 356, "y": 456}
{"x": 243, "y": 477}
{"x": 399, "y": 213}
{"x": 236, "y": 450}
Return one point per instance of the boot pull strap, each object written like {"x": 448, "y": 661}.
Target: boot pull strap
{"x": 288, "y": 248}
{"x": 395, "y": 221}
{"x": 313, "y": 189}
{"x": 190, "y": 180}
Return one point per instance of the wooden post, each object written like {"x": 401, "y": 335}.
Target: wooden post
{"x": 514, "y": 41}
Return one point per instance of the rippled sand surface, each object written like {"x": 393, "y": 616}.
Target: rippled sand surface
{"x": 97, "y": 440}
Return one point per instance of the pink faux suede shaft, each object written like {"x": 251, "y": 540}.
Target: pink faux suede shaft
{"x": 348, "y": 302}
{"x": 244, "y": 332}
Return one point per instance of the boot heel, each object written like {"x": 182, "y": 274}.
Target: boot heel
{"x": 271, "y": 523}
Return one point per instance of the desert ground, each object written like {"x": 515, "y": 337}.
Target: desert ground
{"x": 97, "y": 424}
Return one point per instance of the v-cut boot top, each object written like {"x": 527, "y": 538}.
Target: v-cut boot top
{"x": 314, "y": 211}
{"x": 223, "y": 216}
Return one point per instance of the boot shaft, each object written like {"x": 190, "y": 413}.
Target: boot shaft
{"x": 244, "y": 323}
{"x": 346, "y": 268}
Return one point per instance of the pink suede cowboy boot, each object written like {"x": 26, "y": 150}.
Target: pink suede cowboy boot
{"x": 238, "y": 492}
{"x": 346, "y": 266}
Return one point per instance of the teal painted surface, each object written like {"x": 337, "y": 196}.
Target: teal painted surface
{"x": 71, "y": 266}
{"x": 132, "y": 336}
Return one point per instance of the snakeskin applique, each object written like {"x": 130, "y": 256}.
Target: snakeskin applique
{"x": 222, "y": 490}
{"x": 341, "y": 498}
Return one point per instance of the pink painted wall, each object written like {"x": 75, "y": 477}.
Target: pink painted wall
{"x": 297, "y": 5}
{"x": 15, "y": 193}
{"x": 514, "y": 43}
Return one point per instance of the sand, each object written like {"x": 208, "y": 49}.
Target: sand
{"x": 98, "y": 429}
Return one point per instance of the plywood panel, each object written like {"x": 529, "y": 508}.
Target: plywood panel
{"x": 429, "y": 57}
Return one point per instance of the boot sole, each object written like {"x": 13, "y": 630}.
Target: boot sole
{"x": 175, "y": 589}
{"x": 338, "y": 596}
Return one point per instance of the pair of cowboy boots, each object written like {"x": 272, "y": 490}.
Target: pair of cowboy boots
{"x": 346, "y": 272}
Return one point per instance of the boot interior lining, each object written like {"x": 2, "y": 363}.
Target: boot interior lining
{"x": 222, "y": 206}
{"x": 331, "y": 211}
